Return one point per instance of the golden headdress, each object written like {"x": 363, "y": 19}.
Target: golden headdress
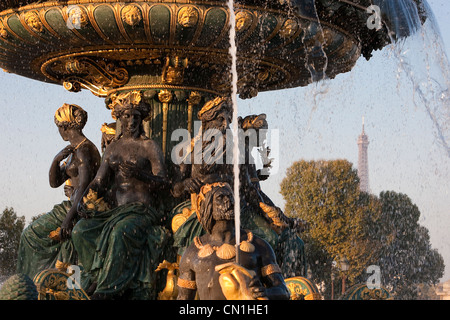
{"x": 131, "y": 99}
{"x": 70, "y": 115}
{"x": 211, "y": 104}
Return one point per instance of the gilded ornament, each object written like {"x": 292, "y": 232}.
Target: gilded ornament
{"x": 296, "y": 291}
{"x": 65, "y": 114}
{"x": 263, "y": 75}
{"x": 235, "y": 280}
{"x": 165, "y": 96}
{"x": 313, "y": 296}
{"x": 96, "y": 76}
{"x": 135, "y": 97}
{"x": 226, "y": 251}
{"x": 132, "y": 97}
{"x": 188, "y": 16}
{"x": 179, "y": 219}
{"x": 54, "y": 235}
{"x": 173, "y": 70}
{"x": 32, "y": 20}
{"x": 3, "y": 33}
{"x": 301, "y": 288}
{"x": 270, "y": 269}
{"x": 374, "y": 294}
{"x": 210, "y": 104}
{"x": 247, "y": 246}
{"x": 205, "y": 251}
{"x": 52, "y": 285}
{"x": 188, "y": 284}
{"x": 194, "y": 98}
{"x": 274, "y": 214}
{"x": 170, "y": 291}
{"x": 108, "y": 129}
{"x": 243, "y": 20}
{"x": 72, "y": 86}
{"x": 78, "y": 17}
{"x": 289, "y": 28}
{"x": 62, "y": 266}
{"x": 131, "y": 15}
{"x": 92, "y": 202}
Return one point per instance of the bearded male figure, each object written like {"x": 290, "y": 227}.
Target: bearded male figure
{"x": 192, "y": 174}
{"x": 208, "y": 266}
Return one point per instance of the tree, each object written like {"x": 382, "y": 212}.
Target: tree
{"x": 326, "y": 195}
{"x": 405, "y": 257}
{"x": 11, "y": 227}
{"x": 366, "y": 229}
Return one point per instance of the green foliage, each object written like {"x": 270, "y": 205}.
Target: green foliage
{"x": 11, "y": 228}
{"x": 326, "y": 194}
{"x": 366, "y": 229}
{"x": 405, "y": 257}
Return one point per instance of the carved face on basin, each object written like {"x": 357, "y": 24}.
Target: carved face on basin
{"x": 243, "y": 20}
{"x": 131, "y": 15}
{"x": 33, "y": 21}
{"x": 78, "y": 17}
{"x": 187, "y": 17}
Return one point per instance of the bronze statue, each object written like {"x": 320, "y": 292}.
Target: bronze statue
{"x": 259, "y": 213}
{"x": 191, "y": 174}
{"x": 215, "y": 115}
{"x": 208, "y": 266}
{"x": 134, "y": 162}
{"x": 46, "y": 239}
{"x": 253, "y": 196}
{"x": 118, "y": 246}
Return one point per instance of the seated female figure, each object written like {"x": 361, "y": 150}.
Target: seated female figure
{"x": 120, "y": 247}
{"x": 37, "y": 250}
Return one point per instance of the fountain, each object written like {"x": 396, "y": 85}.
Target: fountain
{"x": 175, "y": 57}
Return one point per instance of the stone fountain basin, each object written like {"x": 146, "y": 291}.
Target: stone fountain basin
{"x": 105, "y": 45}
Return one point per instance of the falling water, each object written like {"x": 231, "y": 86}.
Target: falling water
{"x": 432, "y": 92}
{"x": 234, "y": 78}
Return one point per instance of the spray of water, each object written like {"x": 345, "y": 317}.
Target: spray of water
{"x": 234, "y": 78}
{"x": 432, "y": 93}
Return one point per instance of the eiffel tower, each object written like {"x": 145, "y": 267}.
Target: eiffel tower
{"x": 363, "y": 160}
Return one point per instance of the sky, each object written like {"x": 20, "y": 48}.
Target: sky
{"x": 407, "y": 126}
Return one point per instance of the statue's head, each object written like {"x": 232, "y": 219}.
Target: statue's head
{"x": 70, "y": 116}
{"x": 216, "y": 114}
{"x": 129, "y": 100}
{"x": 254, "y": 121}
{"x": 130, "y": 109}
{"x": 215, "y": 202}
